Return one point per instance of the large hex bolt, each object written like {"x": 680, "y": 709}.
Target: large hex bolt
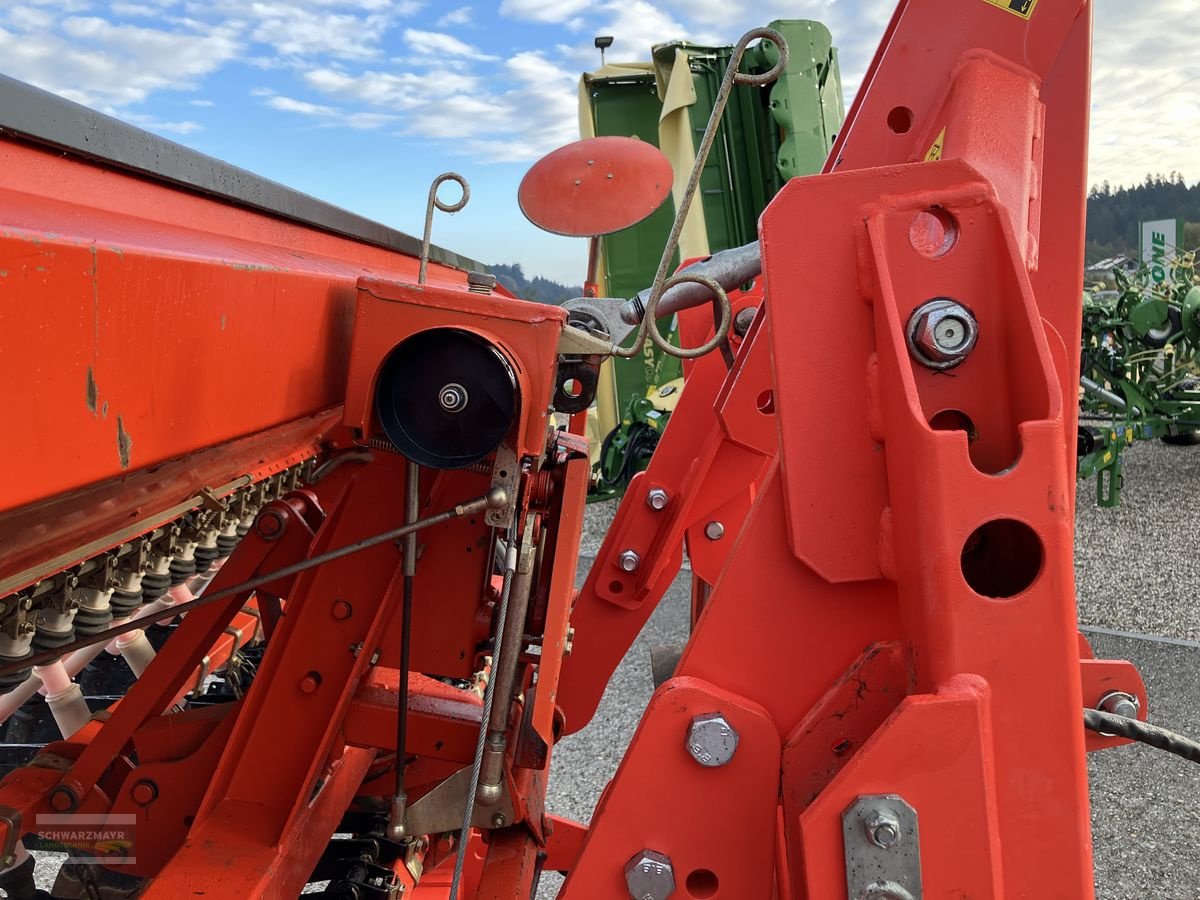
{"x": 657, "y": 498}
{"x": 711, "y": 740}
{"x": 942, "y": 333}
{"x": 629, "y": 560}
{"x": 649, "y": 876}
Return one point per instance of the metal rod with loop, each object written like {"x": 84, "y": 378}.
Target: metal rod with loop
{"x": 444, "y": 207}
{"x": 661, "y": 282}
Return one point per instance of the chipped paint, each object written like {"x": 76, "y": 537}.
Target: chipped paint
{"x": 118, "y": 251}
{"x": 222, "y": 321}
{"x": 93, "y": 393}
{"x": 104, "y": 410}
{"x": 41, "y": 268}
{"x": 3, "y": 273}
{"x": 255, "y": 267}
{"x": 124, "y": 443}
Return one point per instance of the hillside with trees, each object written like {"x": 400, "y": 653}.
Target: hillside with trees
{"x": 1113, "y": 214}
{"x": 537, "y": 289}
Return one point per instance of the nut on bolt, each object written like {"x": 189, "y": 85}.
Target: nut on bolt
{"x": 711, "y": 740}
{"x": 649, "y": 876}
{"x": 883, "y": 828}
{"x": 657, "y": 498}
{"x": 629, "y": 560}
{"x": 941, "y": 333}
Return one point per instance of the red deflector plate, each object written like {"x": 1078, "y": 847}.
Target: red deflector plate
{"x": 596, "y": 186}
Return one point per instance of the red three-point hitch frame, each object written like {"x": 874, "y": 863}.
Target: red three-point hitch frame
{"x": 881, "y": 694}
{"x": 883, "y": 548}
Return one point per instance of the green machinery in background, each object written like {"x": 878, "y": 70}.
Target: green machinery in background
{"x": 768, "y": 136}
{"x": 1140, "y": 367}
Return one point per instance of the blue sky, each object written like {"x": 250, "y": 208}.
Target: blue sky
{"x": 363, "y": 102}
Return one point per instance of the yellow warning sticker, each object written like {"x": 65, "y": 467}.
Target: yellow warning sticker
{"x": 935, "y": 152}
{"x": 1129, "y": 435}
{"x": 1022, "y": 8}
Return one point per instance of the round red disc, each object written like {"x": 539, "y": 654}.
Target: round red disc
{"x": 596, "y": 186}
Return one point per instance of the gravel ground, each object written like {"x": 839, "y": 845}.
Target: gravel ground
{"x": 1136, "y": 571}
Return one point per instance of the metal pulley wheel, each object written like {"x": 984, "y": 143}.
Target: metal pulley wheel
{"x": 446, "y": 398}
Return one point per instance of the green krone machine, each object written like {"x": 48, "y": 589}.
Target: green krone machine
{"x": 768, "y": 135}
{"x": 1140, "y": 367}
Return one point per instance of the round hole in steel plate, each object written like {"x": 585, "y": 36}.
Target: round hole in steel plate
{"x": 900, "y": 119}
{"x": 1002, "y": 558}
{"x": 933, "y": 232}
{"x": 702, "y": 883}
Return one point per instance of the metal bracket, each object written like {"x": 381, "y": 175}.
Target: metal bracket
{"x": 883, "y": 849}
{"x": 506, "y": 474}
{"x": 442, "y": 808}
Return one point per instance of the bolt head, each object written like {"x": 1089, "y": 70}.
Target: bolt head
{"x": 942, "y": 333}
{"x": 481, "y": 282}
{"x": 714, "y": 531}
{"x": 711, "y": 740}
{"x": 453, "y": 397}
{"x": 310, "y": 682}
{"x": 657, "y": 498}
{"x": 1119, "y": 703}
{"x": 144, "y": 793}
{"x": 743, "y": 320}
{"x": 649, "y": 876}
{"x": 629, "y": 560}
{"x": 883, "y": 828}
{"x": 63, "y": 799}
{"x": 269, "y": 524}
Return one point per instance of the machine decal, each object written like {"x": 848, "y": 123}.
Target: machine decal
{"x": 1022, "y": 8}
{"x": 935, "y": 151}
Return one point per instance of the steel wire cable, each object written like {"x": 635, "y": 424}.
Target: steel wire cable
{"x": 1143, "y": 732}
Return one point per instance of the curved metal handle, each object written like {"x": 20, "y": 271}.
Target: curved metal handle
{"x": 661, "y": 283}
{"x": 434, "y": 200}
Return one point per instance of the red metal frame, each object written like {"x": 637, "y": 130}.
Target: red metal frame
{"x": 849, "y": 622}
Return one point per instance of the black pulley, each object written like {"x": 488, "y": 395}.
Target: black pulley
{"x": 446, "y": 398}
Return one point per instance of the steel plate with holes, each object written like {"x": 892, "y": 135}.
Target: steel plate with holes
{"x": 883, "y": 849}
{"x": 596, "y": 186}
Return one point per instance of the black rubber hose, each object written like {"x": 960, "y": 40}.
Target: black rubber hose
{"x": 1136, "y": 730}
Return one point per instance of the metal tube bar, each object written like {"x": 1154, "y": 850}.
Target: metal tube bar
{"x": 412, "y": 510}
{"x": 489, "y": 694}
{"x": 504, "y": 674}
{"x": 728, "y": 268}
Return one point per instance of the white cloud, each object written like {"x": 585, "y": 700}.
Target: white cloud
{"x": 330, "y": 115}
{"x": 106, "y": 65}
{"x": 202, "y": 103}
{"x": 560, "y": 11}
{"x": 460, "y": 16}
{"x": 433, "y": 43}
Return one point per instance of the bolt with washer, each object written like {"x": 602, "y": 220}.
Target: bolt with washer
{"x": 711, "y": 740}
{"x": 1119, "y": 703}
{"x": 657, "y": 498}
{"x": 883, "y": 828}
{"x": 453, "y": 397}
{"x": 629, "y": 560}
{"x": 714, "y": 531}
{"x": 942, "y": 333}
{"x": 650, "y": 876}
